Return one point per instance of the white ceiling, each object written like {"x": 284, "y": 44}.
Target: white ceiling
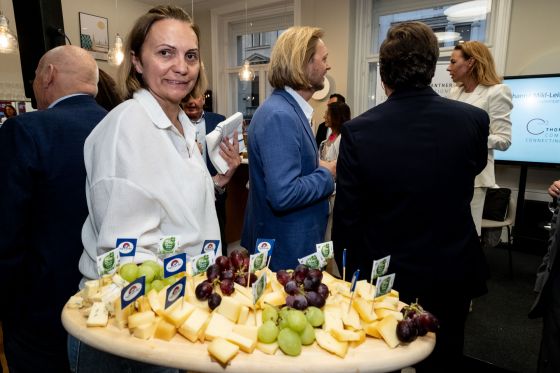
{"x": 198, "y": 4}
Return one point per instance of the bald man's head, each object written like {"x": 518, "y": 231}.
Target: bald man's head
{"x": 63, "y": 71}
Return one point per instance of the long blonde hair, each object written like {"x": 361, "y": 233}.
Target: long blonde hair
{"x": 290, "y": 55}
{"x": 483, "y": 70}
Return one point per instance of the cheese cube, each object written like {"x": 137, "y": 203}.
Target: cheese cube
{"x": 194, "y": 324}
{"x": 98, "y": 315}
{"x": 258, "y": 318}
{"x": 364, "y": 310}
{"x": 146, "y": 331}
{"x": 247, "y": 292}
{"x": 365, "y": 290}
{"x": 155, "y": 301}
{"x": 242, "y": 299}
{"x": 251, "y": 320}
{"x": 177, "y": 315}
{"x": 121, "y": 316}
{"x": 230, "y": 308}
{"x": 390, "y": 303}
{"x": 274, "y": 298}
{"x": 243, "y": 315}
{"x": 244, "y": 343}
{"x": 119, "y": 281}
{"x": 362, "y": 339}
{"x": 91, "y": 288}
{"x": 388, "y": 330}
{"x": 143, "y": 304}
{"x": 140, "y": 318}
{"x": 218, "y": 326}
{"x": 333, "y": 320}
{"x": 75, "y": 301}
{"x": 328, "y": 279}
{"x": 330, "y": 344}
{"x": 202, "y": 305}
{"x": 345, "y": 335}
{"x": 165, "y": 330}
{"x": 267, "y": 348}
{"x": 222, "y": 350}
{"x": 250, "y": 332}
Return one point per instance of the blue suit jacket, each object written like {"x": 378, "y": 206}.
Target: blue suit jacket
{"x": 211, "y": 120}
{"x": 43, "y": 208}
{"x": 288, "y": 191}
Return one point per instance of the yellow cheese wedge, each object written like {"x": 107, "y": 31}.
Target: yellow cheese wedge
{"x": 371, "y": 329}
{"x": 362, "y": 339}
{"x": 243, "y": 315}
{"x": 144, "y": 304}
{"x": 247, "y": 292}
{"x": 364, "y": 309}
{"x": 155, "y": 301}
{"x": 345, "y": 335}
{"x": 194, "y": 324}
{"x": 203, "y": 305}
{"x": 218, "y": 326}
{"x": 98, "y": 316}
{"x": 244, "y": 343}
{"x": 177, "y": 315}
{"x": 250, "y": 332}
{"x": 382, "y": 313}
{"x": 222, "y": 350}
{"x": 258, "y": 318}
{"x": 390, "y": 303}
{"x": 75, "y": 301}
{"x": 333, "y": 320}
{"x": 165, "y": 330}
{"x": 365, "y": 290}
{"x": 388, "y": 330}
{"x": 327, "y": 342}
{"x": 350, "y": 318}
{"x": 146, "y": 331}
{"x": 140, "y": 318}
{"x": 230, "y": 308}
{"x": 274, "y": 298}
{"x": 267, "y": 348}
{"x": 251, "y": 318}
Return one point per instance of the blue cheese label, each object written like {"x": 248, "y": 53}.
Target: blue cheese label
{"x": 210, "y": 245}
{"x": 108, "y": 263}
{"x": 326, "y": 249}
{"x": 174, "y": 264}
{"x": 384, "y": 285}
{"x": 133, "y": 291}
{"x": 175, "y": 292}
{"x": 126, "y": 246}
{"x": 168, "y": 245}
{"x": 380, "y": 267}
{"x": 315, "y": 261}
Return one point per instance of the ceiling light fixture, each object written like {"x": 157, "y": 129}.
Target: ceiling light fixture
{"x": 8, "y": 40}
{"x": 115, "y": 56}
{"x": 468, "y": 11}
{"x": 246, "y": 74}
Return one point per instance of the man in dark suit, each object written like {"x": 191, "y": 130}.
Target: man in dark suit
{"x": 322, "y": 130}
{"x": 405, "y": 177}
{"x": 205, "y": 122}
{"x": 42, "y": 194}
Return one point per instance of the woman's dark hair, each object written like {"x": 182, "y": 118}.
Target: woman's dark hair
{"x": 107, "y": 94}
{"x": 339, "y": 113}
{"x": 408, "y": 56}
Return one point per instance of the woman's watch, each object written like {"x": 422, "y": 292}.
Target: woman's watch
{"x": 218, "y": 188}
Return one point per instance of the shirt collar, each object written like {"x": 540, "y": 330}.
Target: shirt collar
{"x": 64, "y": 98}
{"x": 197, "y": 121}
{"x": 304, "y": 105}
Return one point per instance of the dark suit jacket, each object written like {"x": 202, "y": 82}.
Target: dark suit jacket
{"x": 288, "y": 190}
{"x": 405, "y": 177}
{"x": 43, "y": 208}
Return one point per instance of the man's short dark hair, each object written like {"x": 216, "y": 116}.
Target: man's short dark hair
{"x": 339, "y": 97}
{"x": 408, "y": 56}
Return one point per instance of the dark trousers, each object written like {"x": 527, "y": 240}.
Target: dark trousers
{"x": 549, "y": 356}
{"x": 34, "y": 348}
{"x": 451, "y": 310}
{"x": 221, "y": 212}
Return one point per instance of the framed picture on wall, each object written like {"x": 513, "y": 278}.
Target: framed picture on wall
{"x": 94, "y": 35}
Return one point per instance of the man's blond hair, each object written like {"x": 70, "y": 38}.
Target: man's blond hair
{"x": 293, "y": 50}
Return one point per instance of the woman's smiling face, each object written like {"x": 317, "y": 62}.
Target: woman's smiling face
{"x": 169, "y": 61}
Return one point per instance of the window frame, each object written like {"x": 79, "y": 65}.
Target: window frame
{"x": 365, "y": 30}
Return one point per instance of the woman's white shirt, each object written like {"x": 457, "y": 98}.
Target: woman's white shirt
{"x": 496, "y": 100}
{"x": 146, "y": 181}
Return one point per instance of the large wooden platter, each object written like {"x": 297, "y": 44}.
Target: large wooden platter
{"x": 372, "y": 356}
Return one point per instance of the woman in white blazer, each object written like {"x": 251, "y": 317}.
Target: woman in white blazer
{"x": 473, "y": 70}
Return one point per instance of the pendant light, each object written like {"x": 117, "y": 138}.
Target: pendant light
{"x": 8, "y": 40}
{"x": 246, "y": 74}
{"x": 115, "y": 55}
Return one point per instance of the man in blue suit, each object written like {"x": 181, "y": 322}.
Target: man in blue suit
{"x": 42, "y": 194}
{"x": 405, "y": 181}
{"x": 205, "y": 122}
{"x": 289, "y": 186}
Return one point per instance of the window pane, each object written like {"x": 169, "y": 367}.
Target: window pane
{"x": 256, "y": 47}
{"x": 246, "y": 95}
{"x": 451, "y": 23}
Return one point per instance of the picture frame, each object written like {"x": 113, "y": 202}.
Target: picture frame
{"x": 94, "y": 35}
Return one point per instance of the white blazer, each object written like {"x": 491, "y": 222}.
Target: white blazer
{"x": 496, "y": 101}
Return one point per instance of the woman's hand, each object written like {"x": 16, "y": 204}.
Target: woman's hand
{"x": 230, "y": 153}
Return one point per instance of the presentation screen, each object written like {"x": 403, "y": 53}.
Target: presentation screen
{"x": 535, "y": 120}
